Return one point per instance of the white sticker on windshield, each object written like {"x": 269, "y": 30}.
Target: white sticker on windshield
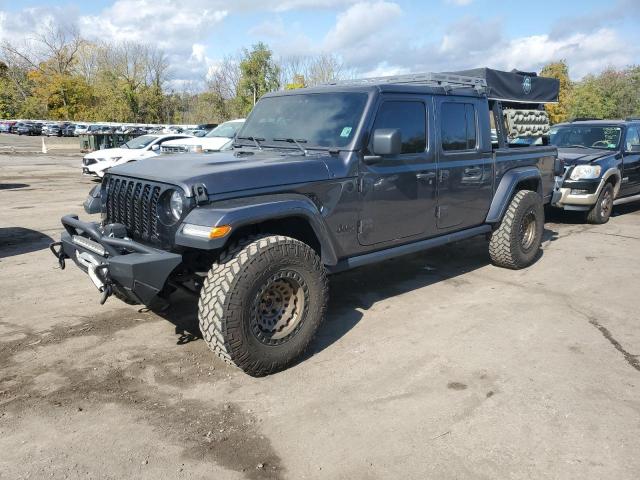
{"x": 346, "y": 131}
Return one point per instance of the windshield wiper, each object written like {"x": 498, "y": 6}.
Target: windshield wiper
{"x": 578, "y": 146}
{"x": 294, "y": 141}
{"x": 254, "y": 140}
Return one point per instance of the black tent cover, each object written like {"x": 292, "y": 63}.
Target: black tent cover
{"x": 516, "y": 86}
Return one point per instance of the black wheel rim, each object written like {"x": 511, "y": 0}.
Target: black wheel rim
{"x": 279, "y": 307}
{"x": 528, "y": 227}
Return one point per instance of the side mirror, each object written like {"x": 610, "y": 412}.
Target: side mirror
{"x": 155, "y": 148}
{"x": 634, "y": 149}
{"x": 386, "y": 141}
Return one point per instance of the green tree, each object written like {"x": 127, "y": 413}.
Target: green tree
{"x": 259, "y": 74}
{"x": 559, "y": 112}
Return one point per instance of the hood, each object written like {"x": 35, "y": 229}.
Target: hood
{"x": 230, "y": 171}
{"x": 576, "y": 156}
{"x": 208, "y": 143}
{"x": 116, "y": 152}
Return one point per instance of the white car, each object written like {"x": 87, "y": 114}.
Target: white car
{"x": 97, "y": 163}
{"x": 217, "y": 139}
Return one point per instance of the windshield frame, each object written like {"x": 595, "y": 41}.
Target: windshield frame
{"x": 591, "y": 125}
{"x": 356, "y": 139}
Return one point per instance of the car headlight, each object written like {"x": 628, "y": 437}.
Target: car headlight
{"x": 195, "y": 148}
{"x": 176, "y": 204}
{"x": 585, "y": 172}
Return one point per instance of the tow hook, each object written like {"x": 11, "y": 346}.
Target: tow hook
{"x": 60, "y": 255}
{"x": 107, "y": 291}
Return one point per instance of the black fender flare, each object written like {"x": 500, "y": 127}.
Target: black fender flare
{"x": 242, "y": 212}
{"x": 506, "y": 190}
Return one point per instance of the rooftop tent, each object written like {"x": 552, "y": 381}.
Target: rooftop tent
{"x": 516, "y": 86}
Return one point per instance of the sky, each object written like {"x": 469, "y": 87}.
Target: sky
{"x": 377, "y": 37}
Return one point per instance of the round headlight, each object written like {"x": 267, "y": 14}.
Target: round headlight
{"x": 176, "y": 204}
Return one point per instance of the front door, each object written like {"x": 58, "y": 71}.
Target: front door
{"x": 399, "y": 192}
{"x": 631, "y": 164}
{"x": 465, "y": 164}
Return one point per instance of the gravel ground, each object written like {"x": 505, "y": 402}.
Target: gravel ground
{"x": 436, "y": 365}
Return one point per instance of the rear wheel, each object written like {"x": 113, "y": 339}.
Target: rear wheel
{"x": 262, "y": 302}
{"x": 601, "y": 211}
{"x": 516, "y": 242}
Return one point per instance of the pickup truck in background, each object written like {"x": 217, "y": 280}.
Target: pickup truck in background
{"x": 321, "y": 180}
{"x": 601, "y": 166}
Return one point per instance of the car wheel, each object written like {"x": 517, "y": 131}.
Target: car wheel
{"x": 516, "y": 242}
{"x": 601, "y": 211}
{"x": 262, "y": 302}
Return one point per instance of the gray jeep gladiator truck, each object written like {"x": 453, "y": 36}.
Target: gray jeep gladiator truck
{"x": 319, "y": 180}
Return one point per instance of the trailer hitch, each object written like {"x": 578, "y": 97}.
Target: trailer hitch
{"x": 60, "y": 255}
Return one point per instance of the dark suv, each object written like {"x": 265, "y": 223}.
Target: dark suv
{"x": 320, "y": 180}
{"x": 602, "y": 166}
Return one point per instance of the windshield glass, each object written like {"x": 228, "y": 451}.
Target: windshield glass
{"x": 590, "y": 136}
{"x": 140, "y": 142}
{"x": 318, "y": 119}
{"x": 227, "y": 129}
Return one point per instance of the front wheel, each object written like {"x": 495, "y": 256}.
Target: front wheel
{"x": 516, "y": 242}
{"x": 601, "y": 211}
{"x": 262, "y": 302}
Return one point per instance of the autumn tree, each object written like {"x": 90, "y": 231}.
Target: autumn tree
{"x": 559, "y": 112}
{"x": 259, "y": 74}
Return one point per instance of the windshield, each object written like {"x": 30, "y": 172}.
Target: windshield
{"x": 589, "y": 136}
{"x": 140, "y": 142}
{"x": 317, "y": 119}
{"x": 227, "y": 129}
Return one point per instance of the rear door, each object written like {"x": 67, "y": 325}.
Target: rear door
{"x": 399, "y": 191}
{"x": 465, "y": 163}
{"x": 631, "y": 163}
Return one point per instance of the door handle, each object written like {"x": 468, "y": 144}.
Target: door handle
{"x": 426, "y": 176}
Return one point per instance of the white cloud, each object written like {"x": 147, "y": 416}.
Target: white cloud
{"x": 584, "y": 52}
{"x": 460, "y": 3}
{"x": 359, "y": 23}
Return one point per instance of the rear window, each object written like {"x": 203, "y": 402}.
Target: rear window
{"x": 458, "y": 126}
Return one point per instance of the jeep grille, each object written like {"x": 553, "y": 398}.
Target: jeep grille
{"x": 134, "y": 203}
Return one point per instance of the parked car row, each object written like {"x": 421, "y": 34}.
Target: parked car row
{"x": 72, "y": 129}
{"x": 97, "y": 163}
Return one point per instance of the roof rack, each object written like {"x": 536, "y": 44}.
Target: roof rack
{"x": 632, "y": 119}
{"x": 429, "y": 79}
{"x": 584, "y": 119}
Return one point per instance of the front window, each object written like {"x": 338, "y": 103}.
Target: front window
{"x": 586, "y": 136}
{"x": 322, "y": 120}
{"x": 226, "y": 130}
{"x": 140, "y": 142}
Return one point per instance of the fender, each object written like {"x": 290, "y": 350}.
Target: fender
{"x": 506, "y": 190}
{"x": 253, "y": 210}
{"x": 611, "y": 172}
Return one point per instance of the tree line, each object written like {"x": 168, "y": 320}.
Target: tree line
{"x": 611, "y": 94}
{"x": 59, "y": 75}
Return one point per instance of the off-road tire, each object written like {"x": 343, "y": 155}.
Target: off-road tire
{"x": 601, "y": 211}
{"x": 507, "y": 248}
{"x": 231, "y": 296}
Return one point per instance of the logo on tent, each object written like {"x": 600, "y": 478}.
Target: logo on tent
{"x": 526, "y": 85}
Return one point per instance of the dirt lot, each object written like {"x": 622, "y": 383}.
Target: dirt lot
{"x": 437, "y": 365}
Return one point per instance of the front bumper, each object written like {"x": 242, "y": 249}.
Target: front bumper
{"x": 576, "y": 195}
{"x": 134, "y": 270}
